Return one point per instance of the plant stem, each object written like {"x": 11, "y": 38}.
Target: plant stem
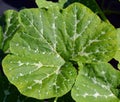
{"x": 56, "y": 99}
{"x": 101, "y": 12}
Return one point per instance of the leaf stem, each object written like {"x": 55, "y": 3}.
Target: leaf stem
{"x": 101, "y": 12}
{"x": 55, "y": 100}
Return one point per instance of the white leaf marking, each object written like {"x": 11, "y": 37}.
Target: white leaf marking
{"x": 21, "y": 74}
{"x": 96, "y": 95}
{"x": 85, "y": 95}
{"x": 29, "y": 87}
{"x": 38, "y": 65}
{"x": 20, "y": 63}
{"x": 38, "y": 81}
{"x": 103, "y": 72}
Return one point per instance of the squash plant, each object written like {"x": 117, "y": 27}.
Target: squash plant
{"x": 59, "y": 51}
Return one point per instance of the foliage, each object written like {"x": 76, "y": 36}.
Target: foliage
{"x": 59, "y": 50}
{"x": 9, "y": 93}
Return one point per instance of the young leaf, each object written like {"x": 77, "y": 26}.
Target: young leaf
{"x": 9, "y": 25}
{"x": 64, "y": 3}
{"x": 97, "y": 82}
{"x": 42, "y": 51}
{"x": 92, "y": 4}
{"x": 46, "y": 4}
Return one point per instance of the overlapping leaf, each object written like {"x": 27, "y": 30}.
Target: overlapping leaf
{"x": 40, "y": 63}
{"x": 118, "y": 51}
{"x": 92, "y": 4}
{"x": 64, "y": 3}
{"x": 97, "y": 82}
{"x": 89, "y": 39}
{"x": 46, "y": 4}
{"x": 117, "y": 55}
{"x": 9, "y": 25}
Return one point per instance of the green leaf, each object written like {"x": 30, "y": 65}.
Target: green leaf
{"x": 36, "y": 76}
{"x": 0, "y": 37}
{"x": 92, "y": 4}
{"x": 9, "y": 25}
{"x": 90, "y": 38}
{"x": 97, "y": 82}
{"x": 117, "y": 55}
{"x": 64, "y": 3}
{"x": 50, "y": 40}
{"x": 46, "y": 4}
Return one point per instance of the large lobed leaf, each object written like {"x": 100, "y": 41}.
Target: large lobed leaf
{"x": 97, "y": 82}
{"x": 40, "y": 63}
{"x": 89, "y": 38}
